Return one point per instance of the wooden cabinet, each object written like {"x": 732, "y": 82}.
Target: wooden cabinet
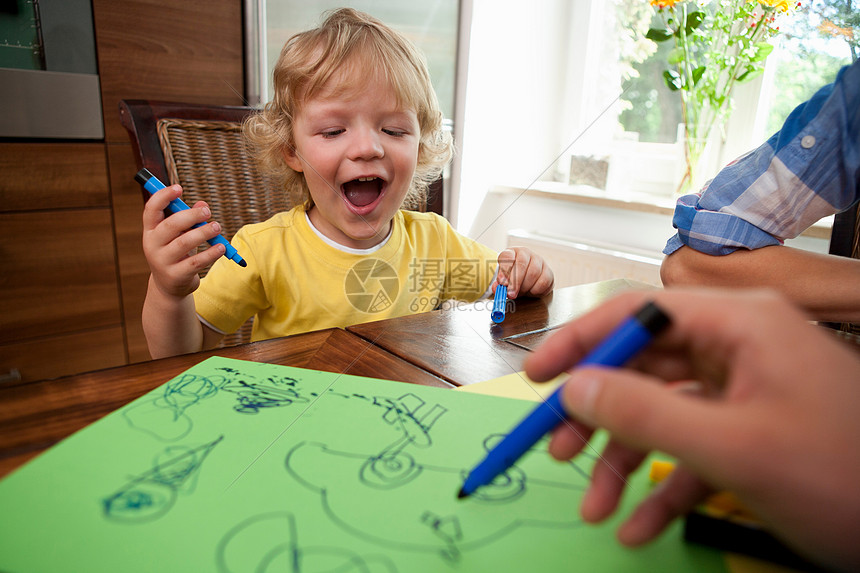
{"x": 72, "y": 271}
{"x": 171, "y": 50}
{"x": 59, "y": 309}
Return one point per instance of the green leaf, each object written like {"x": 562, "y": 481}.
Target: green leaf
{"x": 658, "y": 34}
{"x": 697, "y": 74}
{"x": 749, "y": 74}
{"x": 694, "y": 20}
{"x": 676, "y": 56}
{"x": 673, "y": 80}
{"x": 762, "y": 51}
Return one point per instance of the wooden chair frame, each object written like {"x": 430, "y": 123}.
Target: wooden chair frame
{"x": 845, "y": 242}
{"x": 190, "y": 144}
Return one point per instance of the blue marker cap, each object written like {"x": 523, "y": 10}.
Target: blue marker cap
{"x": 499, "y": 303}
{"x": 151, "y": 183}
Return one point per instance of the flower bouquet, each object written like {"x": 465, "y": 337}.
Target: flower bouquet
{"x": 717, "y": 44}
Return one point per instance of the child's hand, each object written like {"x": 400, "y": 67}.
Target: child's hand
{"x": 169, "y": 243}
{"x": 523, "y": 272}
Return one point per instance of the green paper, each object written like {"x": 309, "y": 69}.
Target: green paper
{"x": 239, "y": 466}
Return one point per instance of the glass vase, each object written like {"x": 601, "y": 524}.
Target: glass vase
{"x": 699, "y": 160}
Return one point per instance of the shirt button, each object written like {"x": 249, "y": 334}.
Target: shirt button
{"x": 807, "y": 141}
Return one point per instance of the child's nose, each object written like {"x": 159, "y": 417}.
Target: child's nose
{"x": 366, "y": 145}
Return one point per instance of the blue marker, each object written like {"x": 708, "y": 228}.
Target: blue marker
{"x": 499, "y": 303}
{"x": 151, "y": 183}
{"x": 620, "y": 346}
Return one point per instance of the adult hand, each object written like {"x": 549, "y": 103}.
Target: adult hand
{"x": 774, "y": 421}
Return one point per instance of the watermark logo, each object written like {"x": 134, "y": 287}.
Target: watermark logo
{"x": 459, "y": 275}
{"x": 371, "y": 285}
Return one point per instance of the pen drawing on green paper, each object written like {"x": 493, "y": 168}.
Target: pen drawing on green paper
{"x": 421, "y": 512}
{"x": 238, "y": 466}
{"x": 152, "y": 494}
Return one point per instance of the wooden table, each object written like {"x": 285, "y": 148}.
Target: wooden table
{"x": 463, "y": 346}
{"x": 34, "y": 416}
{"x": 442, "y": 348}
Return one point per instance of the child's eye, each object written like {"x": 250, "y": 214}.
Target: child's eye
{"x": 331, "y": 133}
{"x": 394, "y": 132}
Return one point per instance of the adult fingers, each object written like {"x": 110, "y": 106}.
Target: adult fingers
{"x": 709, "y": 329}
{"x": 568, "y": 439}
{"x": 608, "y": 480}
{"x": 643, "y": 414}
{"x": 680, "y": 492}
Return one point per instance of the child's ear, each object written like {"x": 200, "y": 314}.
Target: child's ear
{"x": 292, "y": 159}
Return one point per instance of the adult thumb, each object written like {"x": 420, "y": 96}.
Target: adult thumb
{"x": 640, "y": 411}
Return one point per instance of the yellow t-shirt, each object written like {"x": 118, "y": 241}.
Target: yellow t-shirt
{"x": 296, "y": 282}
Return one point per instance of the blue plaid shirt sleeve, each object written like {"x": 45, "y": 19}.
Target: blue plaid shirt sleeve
{"x": 808, "y": 170}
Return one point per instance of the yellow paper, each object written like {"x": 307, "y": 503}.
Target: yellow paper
{"x": 516, "y": 385}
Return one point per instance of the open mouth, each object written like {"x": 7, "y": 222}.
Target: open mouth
{"x": 363, "y": 191}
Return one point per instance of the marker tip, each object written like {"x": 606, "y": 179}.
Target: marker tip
{"x": 461, "y": 494}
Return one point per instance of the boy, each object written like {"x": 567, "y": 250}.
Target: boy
{"x": 354, "y": 130}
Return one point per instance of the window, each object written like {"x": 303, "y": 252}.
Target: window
{"x": 541, "y": 83}
{"x": 822, "y": 38}
{"x": 431, "y": 25}
{"x": 814, "y": 43}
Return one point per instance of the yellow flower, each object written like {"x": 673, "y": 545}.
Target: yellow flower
{"x": 781, "y": 5}
{"x": 664, "y": 3}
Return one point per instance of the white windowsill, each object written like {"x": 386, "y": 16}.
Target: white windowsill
{"x": 631, "y": 201}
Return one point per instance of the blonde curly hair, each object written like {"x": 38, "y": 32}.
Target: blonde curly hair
{"x": 359, "y": 44}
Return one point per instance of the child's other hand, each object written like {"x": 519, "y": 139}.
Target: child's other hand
{"x": 169, "y": 243}
{"x": 523, "y": 272}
